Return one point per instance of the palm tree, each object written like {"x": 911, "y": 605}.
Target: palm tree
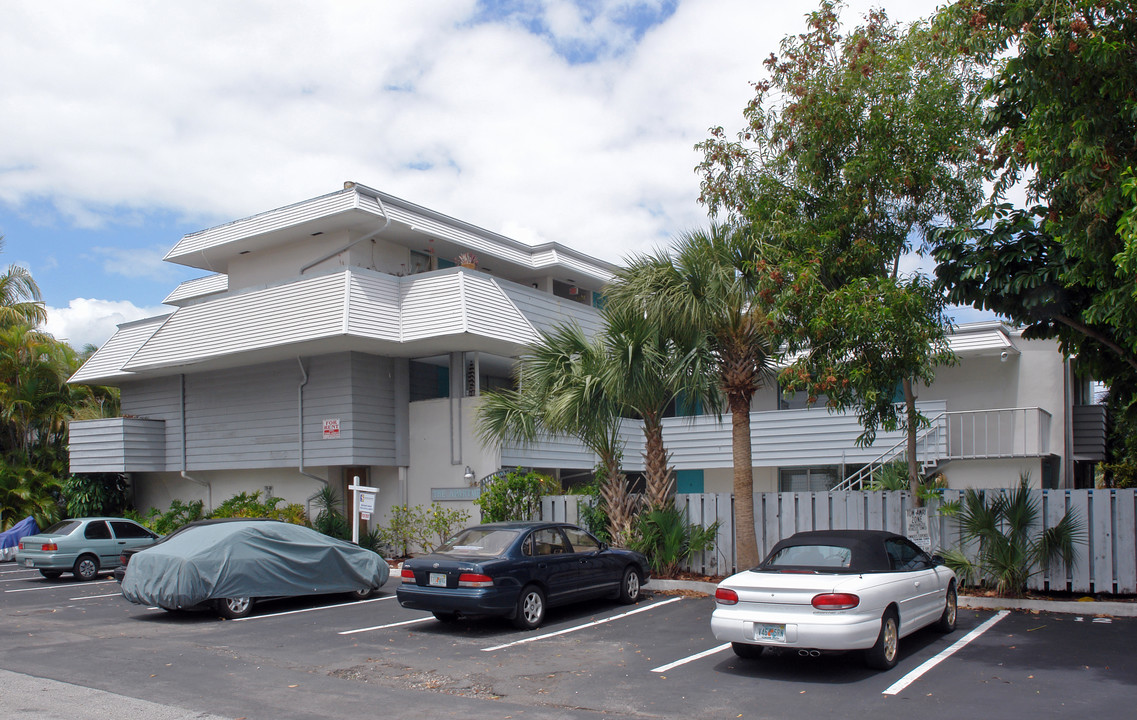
{"x": 20, "y": 300}
{"x": 560, "y": 391}
{"x": 645, "y": 370}
{"x": 705, "y": 296}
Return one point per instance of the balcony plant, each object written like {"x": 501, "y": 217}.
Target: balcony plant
{"x": 467, "y": 260}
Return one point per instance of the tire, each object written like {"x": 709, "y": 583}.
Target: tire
{"x": 446, "y": 617}
{"x": 883, "y": 655}
{"x": 233, "y": 608}
{"x": 530, "y": 612}
{"x": 51, "y": 574}
{"x": 746, "y": 650}
{"x": 362, "y": 594}
{"x": 630, "y": 586}
{"x": 946, "y": 623}
{"x": 86, "y": 568}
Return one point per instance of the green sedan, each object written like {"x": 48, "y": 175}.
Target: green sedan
{"x": 82, "y": 546}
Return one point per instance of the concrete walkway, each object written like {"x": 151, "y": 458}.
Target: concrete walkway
{"x": 1089, "y": 607}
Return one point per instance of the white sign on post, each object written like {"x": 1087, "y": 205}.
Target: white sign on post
{"x": 918, "y": 530}
{"x": 367, "y": 503}
{"x": 363, "y": 504}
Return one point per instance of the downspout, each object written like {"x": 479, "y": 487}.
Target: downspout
{"x": 353, "y": 243}
{"x": 300, "y": 435}
{"x": 185, "y": 466}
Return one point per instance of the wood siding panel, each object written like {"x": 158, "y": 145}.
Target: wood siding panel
{"x": 108, "y": 361}
{"x": 490, "y": 312}
{"x": 544, "y": 311}
{"x": 117, "y": 445}
{"x": 373, "y": 306}
{"x": 300, "y": 311}
{"x": 432, "y": 306}
{"x": 157, "y": 399}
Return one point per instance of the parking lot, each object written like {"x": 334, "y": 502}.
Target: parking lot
{"x": 326, "y": 657}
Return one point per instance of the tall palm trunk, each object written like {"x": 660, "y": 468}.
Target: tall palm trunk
{"x": 660, "y": 479}
{"x": 620, "y": 505}
{"x": 746, "y": 541}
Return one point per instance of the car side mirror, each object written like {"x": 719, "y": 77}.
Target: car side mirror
{"x": 603, "y": 547}
{"x": 938, "y": 560}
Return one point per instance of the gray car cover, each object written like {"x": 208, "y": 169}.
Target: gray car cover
{"x": 248, "y": 559}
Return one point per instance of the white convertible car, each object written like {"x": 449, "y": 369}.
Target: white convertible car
{"x": 836, "y": 590}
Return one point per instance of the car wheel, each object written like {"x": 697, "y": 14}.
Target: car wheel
{"x": 362, "y": 594}
{"x": 86, "y": 567}
{"x": 630, "y": 586}
{"x": 233, "y": 608}
{"x": 446, "y": 617}
{"x": 746, "y": 650}
{"x": 946, "y": 622}
{"x": 882, "y": 656}
{"x": 51, "y": 574}
{"x": 530, "y": 611}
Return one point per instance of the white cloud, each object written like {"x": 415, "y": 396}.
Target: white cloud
{"x": 222, "y": 110}
{"x": 86, "y": 321}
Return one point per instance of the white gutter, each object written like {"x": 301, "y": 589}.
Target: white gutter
{"x": 208, "y": 486}
{"x": 300, "y": 435}
{"x": 353, "y": 243}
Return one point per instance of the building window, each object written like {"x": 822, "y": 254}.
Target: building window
{"x": 807, "y": 479}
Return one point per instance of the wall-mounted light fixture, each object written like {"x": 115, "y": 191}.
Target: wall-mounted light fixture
{"x": 469, "y": 476}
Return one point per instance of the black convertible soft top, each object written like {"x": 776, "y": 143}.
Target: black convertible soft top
{"x": 867, "y": 547}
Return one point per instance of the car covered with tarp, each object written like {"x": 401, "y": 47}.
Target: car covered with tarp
{"x": 10, "y": 538}
{"x": 228, "y": 567}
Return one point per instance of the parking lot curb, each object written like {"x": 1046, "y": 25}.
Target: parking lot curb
{"x": 1073, "y": 607}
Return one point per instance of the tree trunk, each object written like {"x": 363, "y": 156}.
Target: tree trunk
{"x": 913, "y": 428}
{"x": 660, "y": 481}
{"x": 745, "y": 540}
{"x": 620, "y": 505}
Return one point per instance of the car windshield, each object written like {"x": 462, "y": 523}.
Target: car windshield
{"x": 481, "y": 542}
{"x": 811, "y": 557}
{"x": 62, "y": 528}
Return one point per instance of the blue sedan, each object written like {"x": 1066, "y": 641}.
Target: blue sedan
{"x": 517, "y": 570}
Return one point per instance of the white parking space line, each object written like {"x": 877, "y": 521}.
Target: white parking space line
{"x": 68, "y": 586}
{"x": 19, "y": 570}
{"x": 20, "y": 579}
{"x": 913, "y": 676}
{"x": 582, "y": 627}
{"x": 384, "y": 627}
{"x": 314, "y": 609}
{"x": 691, "y": 658}
{"x": 92, "y": 597}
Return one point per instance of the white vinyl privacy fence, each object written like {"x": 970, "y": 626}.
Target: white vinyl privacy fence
{"x": 1106, "y": 562}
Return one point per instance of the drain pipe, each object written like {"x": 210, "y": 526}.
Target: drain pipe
{"x": 300, "y": 435}
{"x": 353, "y": 243}
{"x": 185, "y": 466}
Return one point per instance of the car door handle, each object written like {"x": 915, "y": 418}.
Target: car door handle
{"x": 542, "y": 565}
{"x": 917, "y": 583}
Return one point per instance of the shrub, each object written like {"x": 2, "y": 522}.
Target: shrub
{"x": 514, "y": 496}
{"x": 330, "y": 520}
{"x": 406, "y": 529}
{"x": 1007, "y": 555}
{"x": 94, "y": 494}
{"x": 442, "y": 523}
{"x": 179, "y": 514}
{"x": 669, "y": 541}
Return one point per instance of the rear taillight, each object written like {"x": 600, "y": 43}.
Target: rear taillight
{"x": 836, "y": 601}
{"x": 122, "y": 559}
{"x": 21, "y": 544}
{"x": 726, "y": 596}
{"x": 474, "y": 580}
{"x": 408, "y": 575}
{"x": 49, "y": 547}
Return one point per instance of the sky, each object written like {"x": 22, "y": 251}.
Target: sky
{"x": 125, "y": 125}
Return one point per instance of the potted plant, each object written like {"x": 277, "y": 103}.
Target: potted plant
{"x": 467, "y": 260}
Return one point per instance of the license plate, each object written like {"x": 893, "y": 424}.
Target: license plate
{"x": 438, "y": 579}
{"x": 29, "y": 563}
{"x": 772, "y": 633}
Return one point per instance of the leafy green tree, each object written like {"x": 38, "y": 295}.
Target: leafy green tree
{"x": 442, "y": 523}
{"x": 93, "y": 494}
{"x": 854, "y": 146}
{"x": 1060, "y": 123}
{"x": 705, "y": 294}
